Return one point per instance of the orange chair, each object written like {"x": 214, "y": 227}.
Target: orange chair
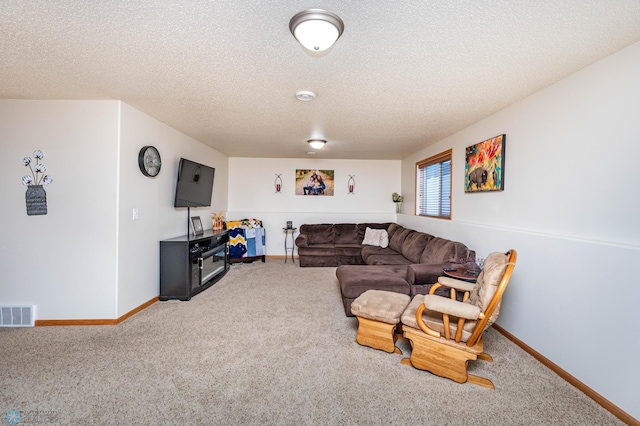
{"x": 446, "y": 334}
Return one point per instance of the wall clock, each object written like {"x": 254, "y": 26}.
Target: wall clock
{"x": 149, "y": 161}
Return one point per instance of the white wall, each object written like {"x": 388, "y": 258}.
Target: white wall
{"x": 63, "y": 261}
{"x": 139, "y": 249}
{"x": 87, "y": 258}
{"x": 252, "y": 194}
{"x": 570, "y": 207}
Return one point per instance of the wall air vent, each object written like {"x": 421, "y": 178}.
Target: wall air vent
{"x": 17, "y": 316}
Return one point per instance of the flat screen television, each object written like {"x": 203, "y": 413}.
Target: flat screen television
{"x": 195, "y": 184}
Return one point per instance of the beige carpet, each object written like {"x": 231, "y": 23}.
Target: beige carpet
{"x": 268, "y": 344}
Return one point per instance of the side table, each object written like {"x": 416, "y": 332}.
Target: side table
{"x": 287, "y": 232}
{"x": 463, "y": 274}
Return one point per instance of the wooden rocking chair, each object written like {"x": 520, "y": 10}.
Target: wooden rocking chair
{"x": 446, "y": 334}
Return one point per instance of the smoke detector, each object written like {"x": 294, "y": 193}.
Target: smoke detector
{"x": 305, "y": 95}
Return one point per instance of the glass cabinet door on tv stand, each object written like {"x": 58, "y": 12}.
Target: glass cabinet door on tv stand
{"x": 190, "y": 264}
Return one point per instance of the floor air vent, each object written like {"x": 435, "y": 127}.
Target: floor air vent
{"x": 17, "y": 316}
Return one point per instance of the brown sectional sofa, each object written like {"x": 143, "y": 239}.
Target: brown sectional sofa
{"x": 410, "y": 264}
{"x": 333, "y": 244}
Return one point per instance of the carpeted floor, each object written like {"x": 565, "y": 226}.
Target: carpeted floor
{"x": 268, "y": 344}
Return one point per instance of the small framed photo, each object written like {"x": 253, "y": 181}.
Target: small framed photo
{"x": 197, "y": 225}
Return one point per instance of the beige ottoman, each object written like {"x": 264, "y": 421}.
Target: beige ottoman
{"x": 378, "y": 314}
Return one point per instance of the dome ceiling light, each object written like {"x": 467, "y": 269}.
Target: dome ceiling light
{"x": 316, "y": 29}
{"x": 317, "y": 143}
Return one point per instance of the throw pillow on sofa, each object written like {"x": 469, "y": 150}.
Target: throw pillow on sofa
{"x": 376, "y": 237}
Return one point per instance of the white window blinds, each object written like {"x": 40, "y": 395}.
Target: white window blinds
{"x": 434, "y": 186}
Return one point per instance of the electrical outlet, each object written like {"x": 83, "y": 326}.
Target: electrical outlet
{"x": 135, "y": 214}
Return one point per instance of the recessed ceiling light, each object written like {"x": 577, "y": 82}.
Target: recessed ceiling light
{"x": 305, "y": 95}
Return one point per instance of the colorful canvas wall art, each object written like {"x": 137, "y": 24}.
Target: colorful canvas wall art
{"x": 484, "y": 165}
{"x": 314, "y": 182}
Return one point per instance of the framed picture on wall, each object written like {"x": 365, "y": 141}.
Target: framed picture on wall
{"x": 484, "y": 165}
{"x": 197, "y": 225}
{"x": 314, "y": 182}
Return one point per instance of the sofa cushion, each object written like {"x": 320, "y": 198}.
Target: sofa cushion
{"x": 393, "y": 228}
{"x": 397, "y": 240}
{"x": 319, "y": 233}
{"x": 373, "y": 250}
{"x": 440, "y": 250}
{"x": 356, "y": 279}
{"x": 317, "y": 261}
{"x": 317, "y": 250}
{"x": 376, "y": 237}
{"x": 425, "y": 273}
{"x": 414, "y": 245}
{"x": 348, "y": 254}
{"x": 347, "y": 250}
{"x": 388, "y": 259}
{"x": 346, "y": 233}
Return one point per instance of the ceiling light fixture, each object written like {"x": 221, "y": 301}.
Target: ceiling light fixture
{"x": 305, "y": 95}
{"x": 316, "y": 29}
{"x": 316, "y": 143}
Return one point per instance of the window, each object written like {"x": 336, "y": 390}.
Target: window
{"x": 434, "y": 186}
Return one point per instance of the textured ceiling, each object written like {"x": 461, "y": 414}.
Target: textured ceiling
{"x": 404, "y": 74}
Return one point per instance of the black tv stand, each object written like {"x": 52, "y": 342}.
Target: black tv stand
{"x": 192, "y": 263}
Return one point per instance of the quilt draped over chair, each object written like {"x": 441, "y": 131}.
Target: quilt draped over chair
{"x": 246, "y": 239}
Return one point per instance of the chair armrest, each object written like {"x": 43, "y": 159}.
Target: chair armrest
{"x": 302, "y": 240}
{"x": 451, "y": 307}
{"x": 457, "y": 284}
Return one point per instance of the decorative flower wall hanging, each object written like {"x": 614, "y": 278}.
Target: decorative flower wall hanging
{"x": 36, "y": 197}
